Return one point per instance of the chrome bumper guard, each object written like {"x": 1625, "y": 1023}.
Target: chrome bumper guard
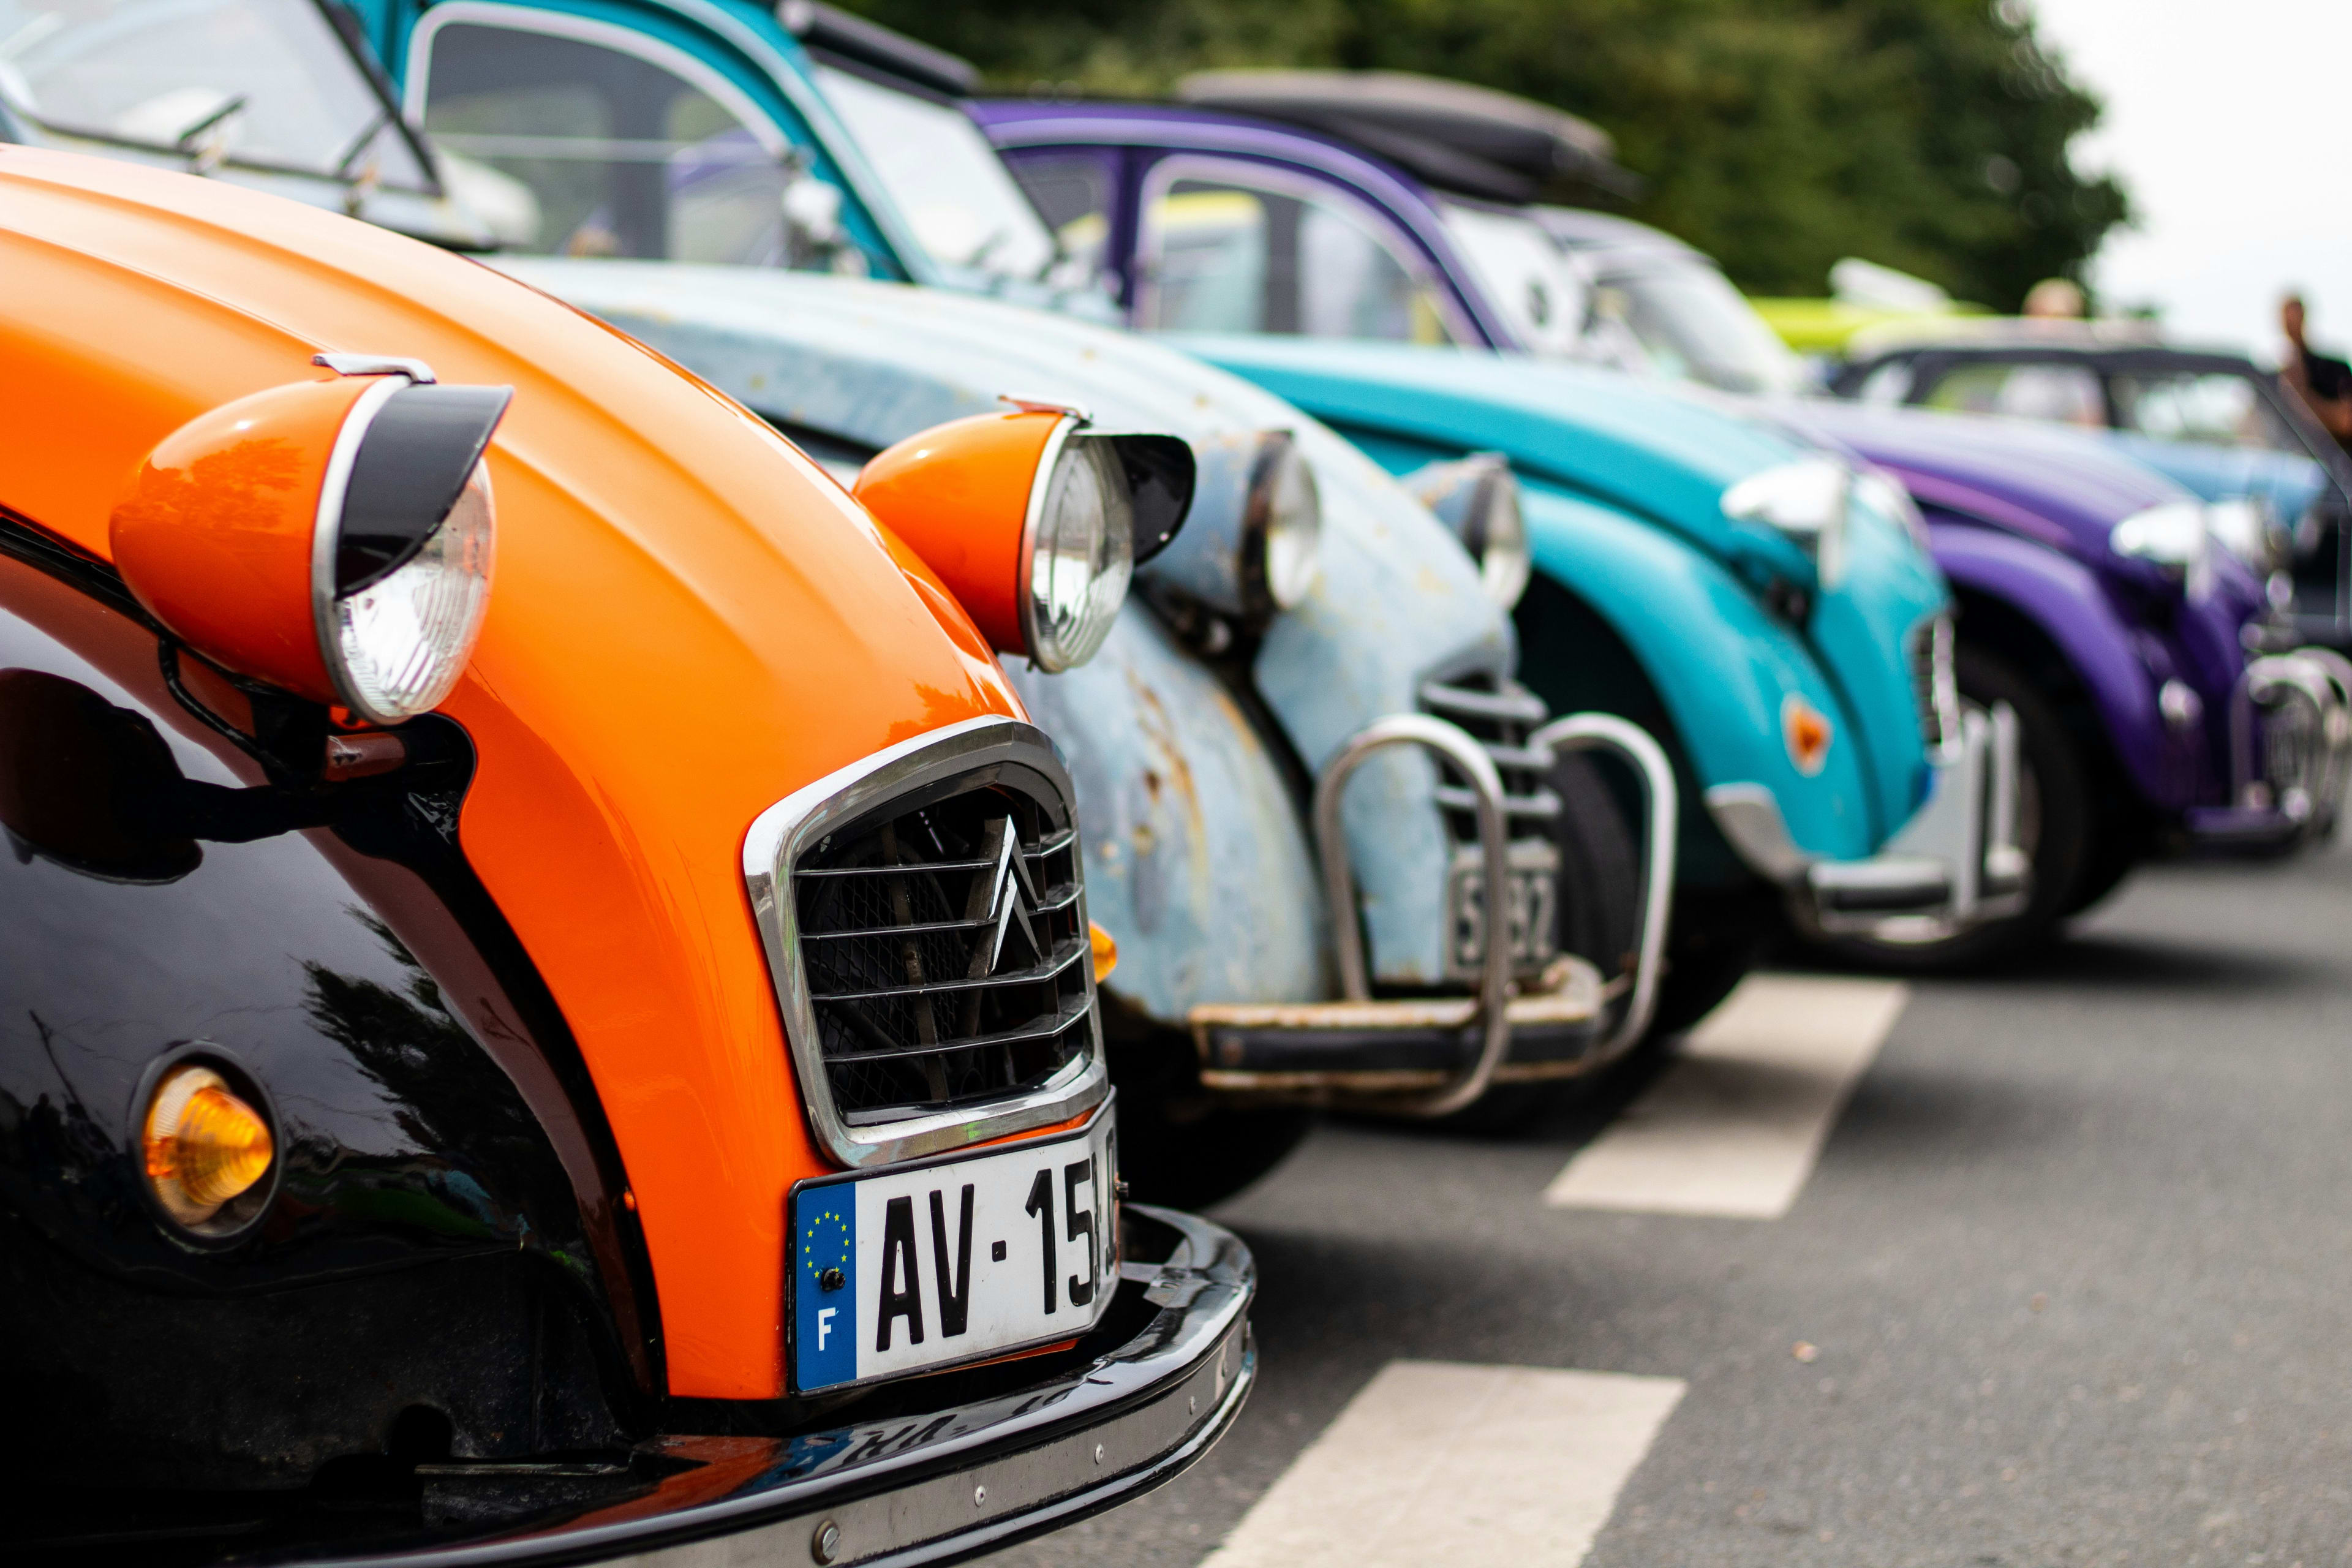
{"x": 1956, "y": 864}
{"x": 2286, "y": 788}
{"x": 1434, "y": 1056}
{"x": 936, "y": 1486}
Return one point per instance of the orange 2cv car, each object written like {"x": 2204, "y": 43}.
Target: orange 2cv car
{"x": 546, "y": 1006}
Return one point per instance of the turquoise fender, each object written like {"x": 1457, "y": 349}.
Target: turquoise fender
{"x": 1721, "y": 664}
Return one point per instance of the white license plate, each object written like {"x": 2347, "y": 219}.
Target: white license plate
{"x": 1532, "y": 908}
{"x": 953, "y": 1260}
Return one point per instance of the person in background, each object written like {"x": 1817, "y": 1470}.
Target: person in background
{"x": 2055, "y": 300}
{"x": 2324, "y": 383}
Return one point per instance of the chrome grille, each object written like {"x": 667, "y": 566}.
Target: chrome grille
{"x": 1500, "y": 714}
{"x": 924, "y": 917}
{"x": 945, "y": 954}
{"x": 1934, "y": 685}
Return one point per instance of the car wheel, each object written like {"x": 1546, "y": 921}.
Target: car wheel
{"x": 2054, "y": 828}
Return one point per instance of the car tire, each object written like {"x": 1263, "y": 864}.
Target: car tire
{"x": 2055, "y": 827}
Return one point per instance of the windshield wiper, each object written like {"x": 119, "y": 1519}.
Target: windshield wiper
{"x": 232, "y": 104}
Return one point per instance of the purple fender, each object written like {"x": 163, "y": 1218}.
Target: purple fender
{"x": 2066, "y": 602}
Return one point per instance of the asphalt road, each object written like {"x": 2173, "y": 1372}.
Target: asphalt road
{"x": 2069, "y": 1281}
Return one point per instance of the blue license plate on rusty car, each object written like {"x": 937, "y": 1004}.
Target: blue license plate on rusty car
{"x": 926, "y": 1265}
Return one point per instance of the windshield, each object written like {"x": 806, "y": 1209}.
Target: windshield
{"x": 945, "y": 177}
{"x": 1692, "y": 323}
{"x": 264, "y": 83}
{"x": 1521, "y": 270}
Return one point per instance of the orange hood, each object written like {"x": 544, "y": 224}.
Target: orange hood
{"x": 689, "y": 621}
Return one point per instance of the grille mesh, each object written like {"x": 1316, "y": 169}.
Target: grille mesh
{"x": 1933, "y": 682}
{"x": 1499, "y": 715}
{"x": 944, "y": 948}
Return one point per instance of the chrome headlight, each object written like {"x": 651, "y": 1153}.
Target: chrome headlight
{"x": 400, "y": 567}
{"x": 1078, "y": 549}
{"x": 2246, "y": 528}
{"x": 1805, "y": 500}
{"x": 1479, "y": 498}
{"x": 1881, "y": 492}
{"x": 1282, "y": 528}
{"x": 2174, "y": 534}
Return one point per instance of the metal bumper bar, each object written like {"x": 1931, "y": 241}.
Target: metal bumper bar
{"x": 2283, "y": 793}
{"x": 1433, "y": 1055}
{"x": 1955, "y": 865}
{"x": 939, "y": 1485}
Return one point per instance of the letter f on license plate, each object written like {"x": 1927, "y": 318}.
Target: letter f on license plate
{"x": 953, "y": 1260}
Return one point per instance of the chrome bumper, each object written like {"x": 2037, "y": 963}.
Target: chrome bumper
{"x": 1956, "y": 864}
{"x": 936, "y": 1485}
{"x": 1434, "y": 1056}
{"x": 2287, "y": 780}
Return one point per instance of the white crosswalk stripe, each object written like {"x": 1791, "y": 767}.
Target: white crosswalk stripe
{"x": 1733, "y": 1126}
{"x": 1439, "y": 1462}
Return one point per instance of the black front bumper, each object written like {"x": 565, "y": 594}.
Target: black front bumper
{"x": 1132, "y": 1407}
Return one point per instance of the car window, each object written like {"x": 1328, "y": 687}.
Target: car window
{"x": 942, "y": 173}
{"x": 1522, "y": 269}
{"x": 623, "y": 155}
{"x": 1889, "y": 383}
{"x": 259, "y": 82}
{"x": 1221, "y": 257}
{"x": 2219, "y": 407}
{"x": 1691, "y": 323}
{"x": 1072, "y": 191}
{"x": 2062, "y": 393}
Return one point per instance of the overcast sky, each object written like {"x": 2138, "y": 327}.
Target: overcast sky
{"x": 2232, "y": 125}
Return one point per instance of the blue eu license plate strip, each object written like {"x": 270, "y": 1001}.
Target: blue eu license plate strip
{"x": 926, "y": 1265}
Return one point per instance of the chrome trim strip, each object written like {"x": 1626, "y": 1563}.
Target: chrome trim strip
{"x": 1041, "y": 484}
{"x": 1456, "y": 745}
{"x": 785, "y": 830}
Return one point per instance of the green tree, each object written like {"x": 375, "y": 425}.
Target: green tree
{"x": 1777, "y": 134}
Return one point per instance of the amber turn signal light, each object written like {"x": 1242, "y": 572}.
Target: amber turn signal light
{"x": 1106, "y": 951}
{"x": 204, "y": 1144}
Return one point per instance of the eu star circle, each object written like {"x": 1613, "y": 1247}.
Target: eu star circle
{"x": 825, "y": 1243}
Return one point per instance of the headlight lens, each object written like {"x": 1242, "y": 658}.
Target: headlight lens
{"x": 1282, "y": 540}
{"x": 1081, "y": 548}
{"x": 2174, "y": 534}
{"x": 404, "y": 638}
{"x": 400, "y": 568}
{"x": 1479, "y": 498}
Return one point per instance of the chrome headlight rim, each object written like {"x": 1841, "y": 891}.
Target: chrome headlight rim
{"x": 1057, "y": 642}
{"x": 1480, "y": 501}
{"x": 1281, "y": 544}
{"x": 403, "y": 543}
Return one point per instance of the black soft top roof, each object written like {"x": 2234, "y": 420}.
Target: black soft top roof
{"x": 870, "y": 48}
{"x": 1471, "y": 141}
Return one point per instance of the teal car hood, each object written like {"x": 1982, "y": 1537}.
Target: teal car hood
{"x": 1659, "y": 456}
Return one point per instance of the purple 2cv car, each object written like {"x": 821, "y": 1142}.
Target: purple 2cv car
{"x": 2158, "y": 699}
